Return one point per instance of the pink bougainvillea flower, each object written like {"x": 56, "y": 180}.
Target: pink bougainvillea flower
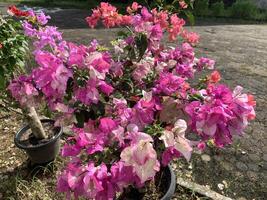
{"x": 88, "y": 94}
{"x": 135, "y": 136}
{"x": 23, "y": 90}
{"x": 144, "y": 110}
{"x": 182, "y": 4}
{"x": 142, "y": 69}
{"x": 214, "y": 77}
{"x": 143, "y": 158}
{"x": 42, "y": 18}
{"x": 28, "y": 29}
{"x": 122, "y": 175}
{"x": 91, "y": 184}
{"x": 176, "y": 138}
{"x": 133, "y": 8}
{"x": 169, "y": 154}
{"x": 190, "y": 37}
{"x": 169, "y": 84}
{"x": 201, "y": 146}
{"x": 107, "y": 125}
{"x": 105, "y": 88}
{"x": 205, "y": 63}
{"x": 76, "y": 55}
{"x": 176, "y": 25}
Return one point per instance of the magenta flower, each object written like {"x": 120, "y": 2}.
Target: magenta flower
{"x": 88, "y": 94}
{"x": 42, "y": 18}
{"x": 205, "y": 63}
{"x": 52, "y": 76}
{"x": 107, "y": 125}
{"x": 23, "y": 90}
{"x": 105, "y": 88}
{"x": 169, "y": 84}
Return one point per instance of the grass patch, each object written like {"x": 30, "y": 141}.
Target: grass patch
{"x": 35, "y": 184}
{"x": 241, "y": 9}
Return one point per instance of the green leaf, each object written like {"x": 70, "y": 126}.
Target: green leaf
{"x": 142, "y": 44}
{"x": 190, "y": 17}
{"x": 2, "y": 82}
{"x": 122, "y": 34}
{"x": 80, "y": 119}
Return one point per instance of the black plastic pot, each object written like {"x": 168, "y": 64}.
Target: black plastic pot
{"x": 41, "y": 153}
{"x": 171, "y": 183}
{"x": 167, "y": 185}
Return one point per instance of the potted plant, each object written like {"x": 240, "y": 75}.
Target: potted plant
{"x": 132, "y": 108}
{"x": 39, "y": 138}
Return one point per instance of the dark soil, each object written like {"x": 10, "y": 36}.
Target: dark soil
{"x": 154, "y": 190}
{"x": 29, "y": 140}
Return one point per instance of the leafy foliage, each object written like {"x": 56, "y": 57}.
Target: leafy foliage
{"x": 13, "y": 49}
{"x": 217, "y": 8}
{"x": 245, "y": 9}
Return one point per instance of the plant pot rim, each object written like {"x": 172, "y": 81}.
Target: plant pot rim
{"x": 26, "y": 127}
{"x": 171, "y": 189}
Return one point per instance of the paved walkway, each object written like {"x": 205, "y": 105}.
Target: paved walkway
{"x": 241, "y": 54}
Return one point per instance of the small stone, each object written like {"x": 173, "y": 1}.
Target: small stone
{"x": 241, "y": 198}
{"x": 264, "y": 157}
{"x": 221, "y": 186}
{"x": 218, "y": 158}
{"x": 227, "y": 166}
{"x": 225, "y": 183}
{"x": 243, "y": 152}
{"x": 190, "y": 166}
{"x": 252, "y": 175}
{"x": 241, "y": 166}
{"x": 253, "y": 167}
{"x": 205, "y": 157}
{"x": 264, "y": 166}
{"x": 254, "y": 157}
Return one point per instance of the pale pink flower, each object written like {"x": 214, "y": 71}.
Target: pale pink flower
{"x": 176, "y": 138}
{"x": 143, "y": 158}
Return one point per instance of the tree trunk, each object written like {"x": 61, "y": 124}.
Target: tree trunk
{"x": 35, "y": 123}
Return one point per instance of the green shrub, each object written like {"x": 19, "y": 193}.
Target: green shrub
{"x": 13, "y": 50}
{"x": 244, "y": 9}
{"x": 217, "y": 9}
{"x": 201, "y": 7}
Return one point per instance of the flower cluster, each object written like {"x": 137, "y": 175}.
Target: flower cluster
{"x": 14, "y": 11}
{"x": 153, "y": 23}
{"x": 222, "y": 113}
{"x": 130, "y": 112}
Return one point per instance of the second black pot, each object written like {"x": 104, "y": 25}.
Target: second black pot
{"x": 171, "y": 183}
{"x": 41, "y": 153}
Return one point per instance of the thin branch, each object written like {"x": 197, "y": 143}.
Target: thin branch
{"x": 10, "y": 109}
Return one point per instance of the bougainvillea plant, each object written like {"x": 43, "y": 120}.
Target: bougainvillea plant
{"x": 131, "y": 108}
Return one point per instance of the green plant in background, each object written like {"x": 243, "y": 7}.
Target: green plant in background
{"x": 244, "y": 9}
{"x": 217, "y": 9}
{"x": 13, "y": 50}
{"x": 201, "y": 7}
